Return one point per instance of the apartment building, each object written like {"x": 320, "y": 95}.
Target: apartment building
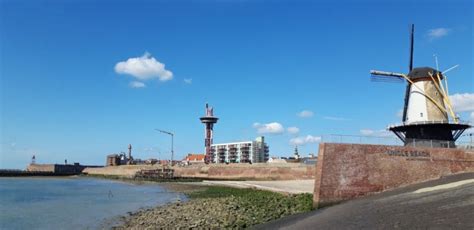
{"x": 240, "y": 152}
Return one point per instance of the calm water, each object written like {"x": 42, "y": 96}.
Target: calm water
{"x": 72, "y": 203}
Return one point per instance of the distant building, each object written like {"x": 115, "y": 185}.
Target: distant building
{"x": 195, "y": 158}
{"x": 241, "y": 152}
{"x": 112, "y": 160}
{"x": 296, "y": 155}
{"x": 310, "y": 160}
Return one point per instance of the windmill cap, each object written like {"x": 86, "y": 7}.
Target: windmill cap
{"x": 423, "y": 72}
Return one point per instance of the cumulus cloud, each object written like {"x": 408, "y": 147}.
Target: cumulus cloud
{"x": 463, "y": 102}
{"x": 304, "y": 140}
{"x": 144, "y": 68}
{"x": 438, "y": 33}
{"x": 270, "y": 128}
{"x": 472, "y": 117}
{"x": 188, "y": 80}
{"x": 137, "y": 84}
{"x": 292, "y": 130}
{"x": 305, "y": 114}
{"x": 375, "y": 133}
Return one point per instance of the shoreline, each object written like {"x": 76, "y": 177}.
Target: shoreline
{"x": 203, "y": 205}
{"x": 210, "y": 206}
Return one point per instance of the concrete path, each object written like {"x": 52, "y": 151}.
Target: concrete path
{"x": 446, "y": 203}
{"x": 285, "y": 186}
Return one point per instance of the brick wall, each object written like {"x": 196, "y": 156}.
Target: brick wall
{"x": 258, "y": 171}
{"x": 346, "y": 171}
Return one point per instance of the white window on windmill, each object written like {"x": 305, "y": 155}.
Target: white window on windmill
{"x": 421, "y": 114}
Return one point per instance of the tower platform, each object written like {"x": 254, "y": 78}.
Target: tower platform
{"x": 437, "y": 134}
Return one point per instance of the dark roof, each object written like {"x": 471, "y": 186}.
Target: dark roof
{"x": 422, "y": 72}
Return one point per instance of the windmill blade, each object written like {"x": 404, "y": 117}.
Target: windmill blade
{"x": 382, "y": 76}
{"x": 405, "y": 102}
{"x": 410, "y": 68}
{"x": 412, "y": 44}
{"x": 454, "y": 67}
{"x": 387, "y": 74}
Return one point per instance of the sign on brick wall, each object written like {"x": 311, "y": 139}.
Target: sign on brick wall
{"x": 347, "y": 171}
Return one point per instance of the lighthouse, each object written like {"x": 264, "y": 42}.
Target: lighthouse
{"x": 208, "y": 120}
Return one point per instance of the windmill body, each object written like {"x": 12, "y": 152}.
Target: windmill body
{"x": 420, "y": 108}
{"x": 427, "y": 107}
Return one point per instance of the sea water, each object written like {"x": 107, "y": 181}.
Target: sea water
{"x": 73, "y": 202}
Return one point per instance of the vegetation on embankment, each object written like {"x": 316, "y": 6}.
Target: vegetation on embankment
{"x": 221, "y": 207}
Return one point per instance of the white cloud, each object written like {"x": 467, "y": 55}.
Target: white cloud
{"x": 305, "y": 114}
{"x": 462, "y": 102}
{"x": 304, "y": 140}
{"x": 188, "y": 80}
{"x": 438, "y": 33}
{"x": 144, "y": 68}
{"x": 335, "y": 118}
{"x": 375, "y": 133}
{"x": 292, "y": 130}
{"x": 270, "y": 128}
{"x": 472, "y": 117}
{"x": 137, "y": 84}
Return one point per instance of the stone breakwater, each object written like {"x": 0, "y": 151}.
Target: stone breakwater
{"x": 219, "y": 207}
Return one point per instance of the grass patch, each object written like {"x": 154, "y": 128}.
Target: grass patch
{"x": 256, "y": 206}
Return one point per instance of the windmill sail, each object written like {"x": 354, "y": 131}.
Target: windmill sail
{"x": 410, "y": 68}
{"x": 382, "y": 76}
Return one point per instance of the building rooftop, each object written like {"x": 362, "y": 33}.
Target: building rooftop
{"x": 195, "y": 157}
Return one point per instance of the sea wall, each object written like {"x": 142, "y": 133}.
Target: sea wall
{"x": 56, "y": 169}
{"x": 347, "y": 171}
{"x": 40, "y": 168}
{"x": 121, "y": 170}
{"x": 258, "y": 171}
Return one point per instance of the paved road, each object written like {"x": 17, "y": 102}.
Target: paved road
{"x": 286, "y": 186}
{"x": 442, "y": 208}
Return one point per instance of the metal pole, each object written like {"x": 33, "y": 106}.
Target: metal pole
{"x": 172, "y": 142}
{"x": 172, "y": 150}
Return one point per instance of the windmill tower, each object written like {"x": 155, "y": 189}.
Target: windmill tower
{"x": 427, "y": 107}
{"x": 208, "y": 120}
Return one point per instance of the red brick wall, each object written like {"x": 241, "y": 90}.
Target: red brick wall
{"x": 257, "y": 171}
{"x": 263, "y": 171}
{"x": 346, "y": 171}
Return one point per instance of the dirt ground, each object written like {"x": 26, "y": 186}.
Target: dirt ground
{"x": 283, "y": 186}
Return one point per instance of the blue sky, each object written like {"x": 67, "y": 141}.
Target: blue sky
{"x": 64, "y": 94}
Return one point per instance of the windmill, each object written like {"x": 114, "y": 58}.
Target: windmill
{"x": 427, "y": 109}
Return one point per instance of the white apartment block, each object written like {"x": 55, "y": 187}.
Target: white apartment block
{"x": 241, "y": 152}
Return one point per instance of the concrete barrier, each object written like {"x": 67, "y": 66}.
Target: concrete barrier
{"x": 347, "y": 171}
